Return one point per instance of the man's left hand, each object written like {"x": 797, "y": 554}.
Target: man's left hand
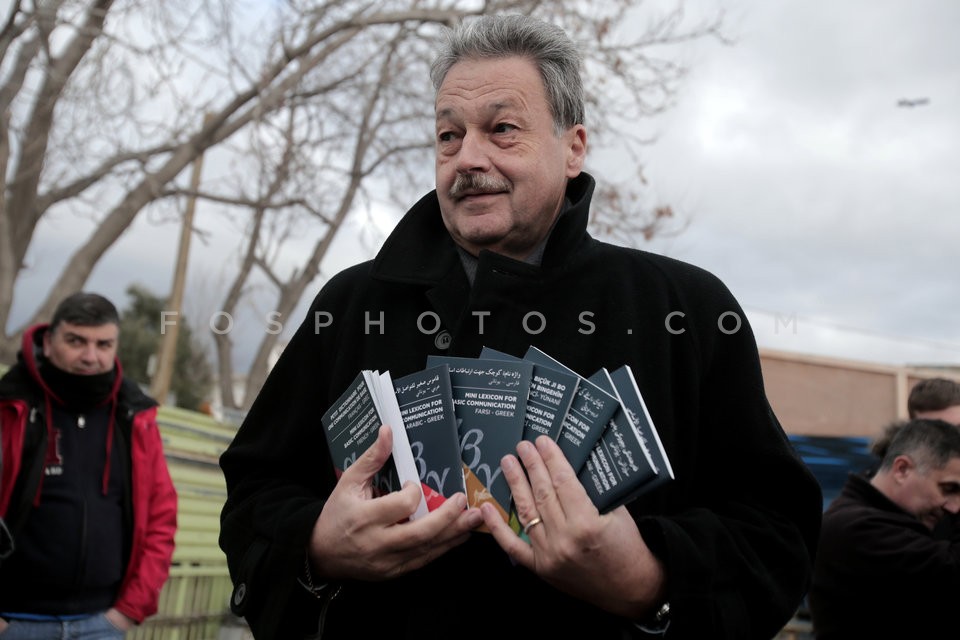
{"x": 601, "y": 559}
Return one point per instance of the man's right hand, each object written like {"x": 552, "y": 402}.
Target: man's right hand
{"x": 361, "y": 537}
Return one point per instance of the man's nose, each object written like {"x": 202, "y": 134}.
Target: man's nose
{"x": 89, "y": 353}
{"x": 473, "y": 153}
{"x": 953, "y": 505}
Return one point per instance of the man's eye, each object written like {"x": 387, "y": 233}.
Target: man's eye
{"x": 504, "y": 127}
{"x": 445, "y": 136}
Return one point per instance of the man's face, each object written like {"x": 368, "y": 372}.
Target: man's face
{"x": 950, "y": 414}
{"x": 502, "y": 170}
{"x": 80, "y": 349}
{"x": 932, "y": 493}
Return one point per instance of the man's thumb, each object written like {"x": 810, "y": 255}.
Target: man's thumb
{"x": 374, "y": 457}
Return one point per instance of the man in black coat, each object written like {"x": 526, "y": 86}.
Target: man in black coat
{"x": 880, "y": 572}
{"x": 499, "y": 256}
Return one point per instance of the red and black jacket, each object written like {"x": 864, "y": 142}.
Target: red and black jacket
{"x": 132, "y": 442}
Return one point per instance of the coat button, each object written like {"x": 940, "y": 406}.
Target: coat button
{"x": 239, "y": 594}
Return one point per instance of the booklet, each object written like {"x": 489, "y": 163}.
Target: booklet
{"x": 351, "y": 425}
{"x": 619, "y": 465}
{"x": 587, "y": 417}
{"x": 489, "y": 398}
{"x": 626, "y": 385}
{"x": 551, "y": 394}
{"x": 426, "y": 405}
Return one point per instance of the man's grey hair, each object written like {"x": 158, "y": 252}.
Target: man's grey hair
{"x": 504, "y": 36}
{"x": 930, "y": 443}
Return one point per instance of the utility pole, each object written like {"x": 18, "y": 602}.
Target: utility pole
{"x": 160, "y": 385}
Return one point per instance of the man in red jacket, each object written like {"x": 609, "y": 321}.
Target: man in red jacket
{"x": 85, "y": 488}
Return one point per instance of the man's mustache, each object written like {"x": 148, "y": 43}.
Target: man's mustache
{"x": 468, "y": 184}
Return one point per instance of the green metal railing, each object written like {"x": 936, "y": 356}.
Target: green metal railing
{"x": 194, "y": 602}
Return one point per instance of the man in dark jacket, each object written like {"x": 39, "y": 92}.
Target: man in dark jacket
{"x": 499, "y": 256}
{"x": 85, "y": 488}
{"x": 880, "y": 572}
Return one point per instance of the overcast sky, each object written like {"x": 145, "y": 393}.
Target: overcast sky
{"x": 809, "y": 190}
{"x": 832, "y": 213}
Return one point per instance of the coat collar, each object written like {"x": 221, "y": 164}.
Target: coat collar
{"x": 421, "y": 251}
{"x": 860, "y": 489}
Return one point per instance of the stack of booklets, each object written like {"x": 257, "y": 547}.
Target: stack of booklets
{"x": 453, "y": 422}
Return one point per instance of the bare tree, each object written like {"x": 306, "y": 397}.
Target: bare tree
{"x": 327, "y": 104}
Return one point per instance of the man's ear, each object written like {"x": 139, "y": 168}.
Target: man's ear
{"x": 902, "y": 466}
{"x": 576, "y": 138}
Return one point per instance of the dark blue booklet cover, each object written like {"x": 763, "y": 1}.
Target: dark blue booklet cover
{"x": 426, "y": 404}
{"x": 587, "y": 417}
{"x": 489, "y": 398}
{"x": 351, "y": 425}
{"x": 551, "y": 393}
{"x": 619, "y": 464}
{"x": 626, "y": 385}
